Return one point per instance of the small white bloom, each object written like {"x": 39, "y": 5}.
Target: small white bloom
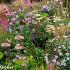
{"x": 68, "y": 47}
{"x": 61, "y": 24}
{"x": 60, "y": 53}
{"x": 56, "y": 56}
{"x": 55, "y": 49}
{"x": 67, "y": 54}
{"x": 58, "y": 27}
{"x": 33, "y": 30}
{"x": 20, "y": 58}
{"x": 68, "y": 24}
{"x": 68, "y": 58}
{"x": 37, "y": 15}
{"x": 59, "y": 50}
{"x": 60, "y": 2}
{"x": 46, "y": 59}
{"x": 48, "y": 2}
{"x": 64, "y": 36}
{"x": 63, "y": 47}
{"x": 58, "y": 63}
{"x": 14, "y": 60}
{"x": 17, "y": 16}
{"x": 64, "y": 64}
{"x": 59, "y": 47}
{"x": 40, "y": 18}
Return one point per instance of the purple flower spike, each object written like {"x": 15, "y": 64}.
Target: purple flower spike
{"x": 45, "y": 9}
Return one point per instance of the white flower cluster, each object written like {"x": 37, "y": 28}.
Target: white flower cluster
{"x": 61, "y": 57}
{"x": 63, "y": 52}
{"x": 46, "y": 59}
{"x": 61, "y": 63}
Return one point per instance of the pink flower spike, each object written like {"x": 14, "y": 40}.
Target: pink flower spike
{"x": 28, "y": 3}
{"x": 4, "y": 23}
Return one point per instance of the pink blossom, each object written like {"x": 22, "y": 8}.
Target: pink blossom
{"x": 4, "y": 24}
{"x": 28, "y": 3}
{"x": 19, "y": 37}
{"x": 5, "y": 44}
{"x": 18, "y": 47}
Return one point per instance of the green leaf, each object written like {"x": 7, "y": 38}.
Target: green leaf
{"x": 42, "y": 67}
{"x": 1, "y": 55}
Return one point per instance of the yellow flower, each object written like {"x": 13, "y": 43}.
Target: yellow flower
{"x": 50, "y": 28}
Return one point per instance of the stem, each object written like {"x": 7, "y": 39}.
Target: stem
{"x": 67, "y": 9}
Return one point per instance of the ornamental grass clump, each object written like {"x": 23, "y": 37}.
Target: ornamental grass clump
{"x": 57, "y": 31}
{"x": 61, "y": 30}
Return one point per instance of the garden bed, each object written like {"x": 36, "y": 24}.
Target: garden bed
{"x": 34, "y": 39}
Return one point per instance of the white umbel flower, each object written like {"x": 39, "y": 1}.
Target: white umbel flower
{"x": 46, "y": 59}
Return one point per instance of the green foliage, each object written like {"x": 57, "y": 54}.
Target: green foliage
{"x": 21, "y": 15}
{"x": 1, "y": 55}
